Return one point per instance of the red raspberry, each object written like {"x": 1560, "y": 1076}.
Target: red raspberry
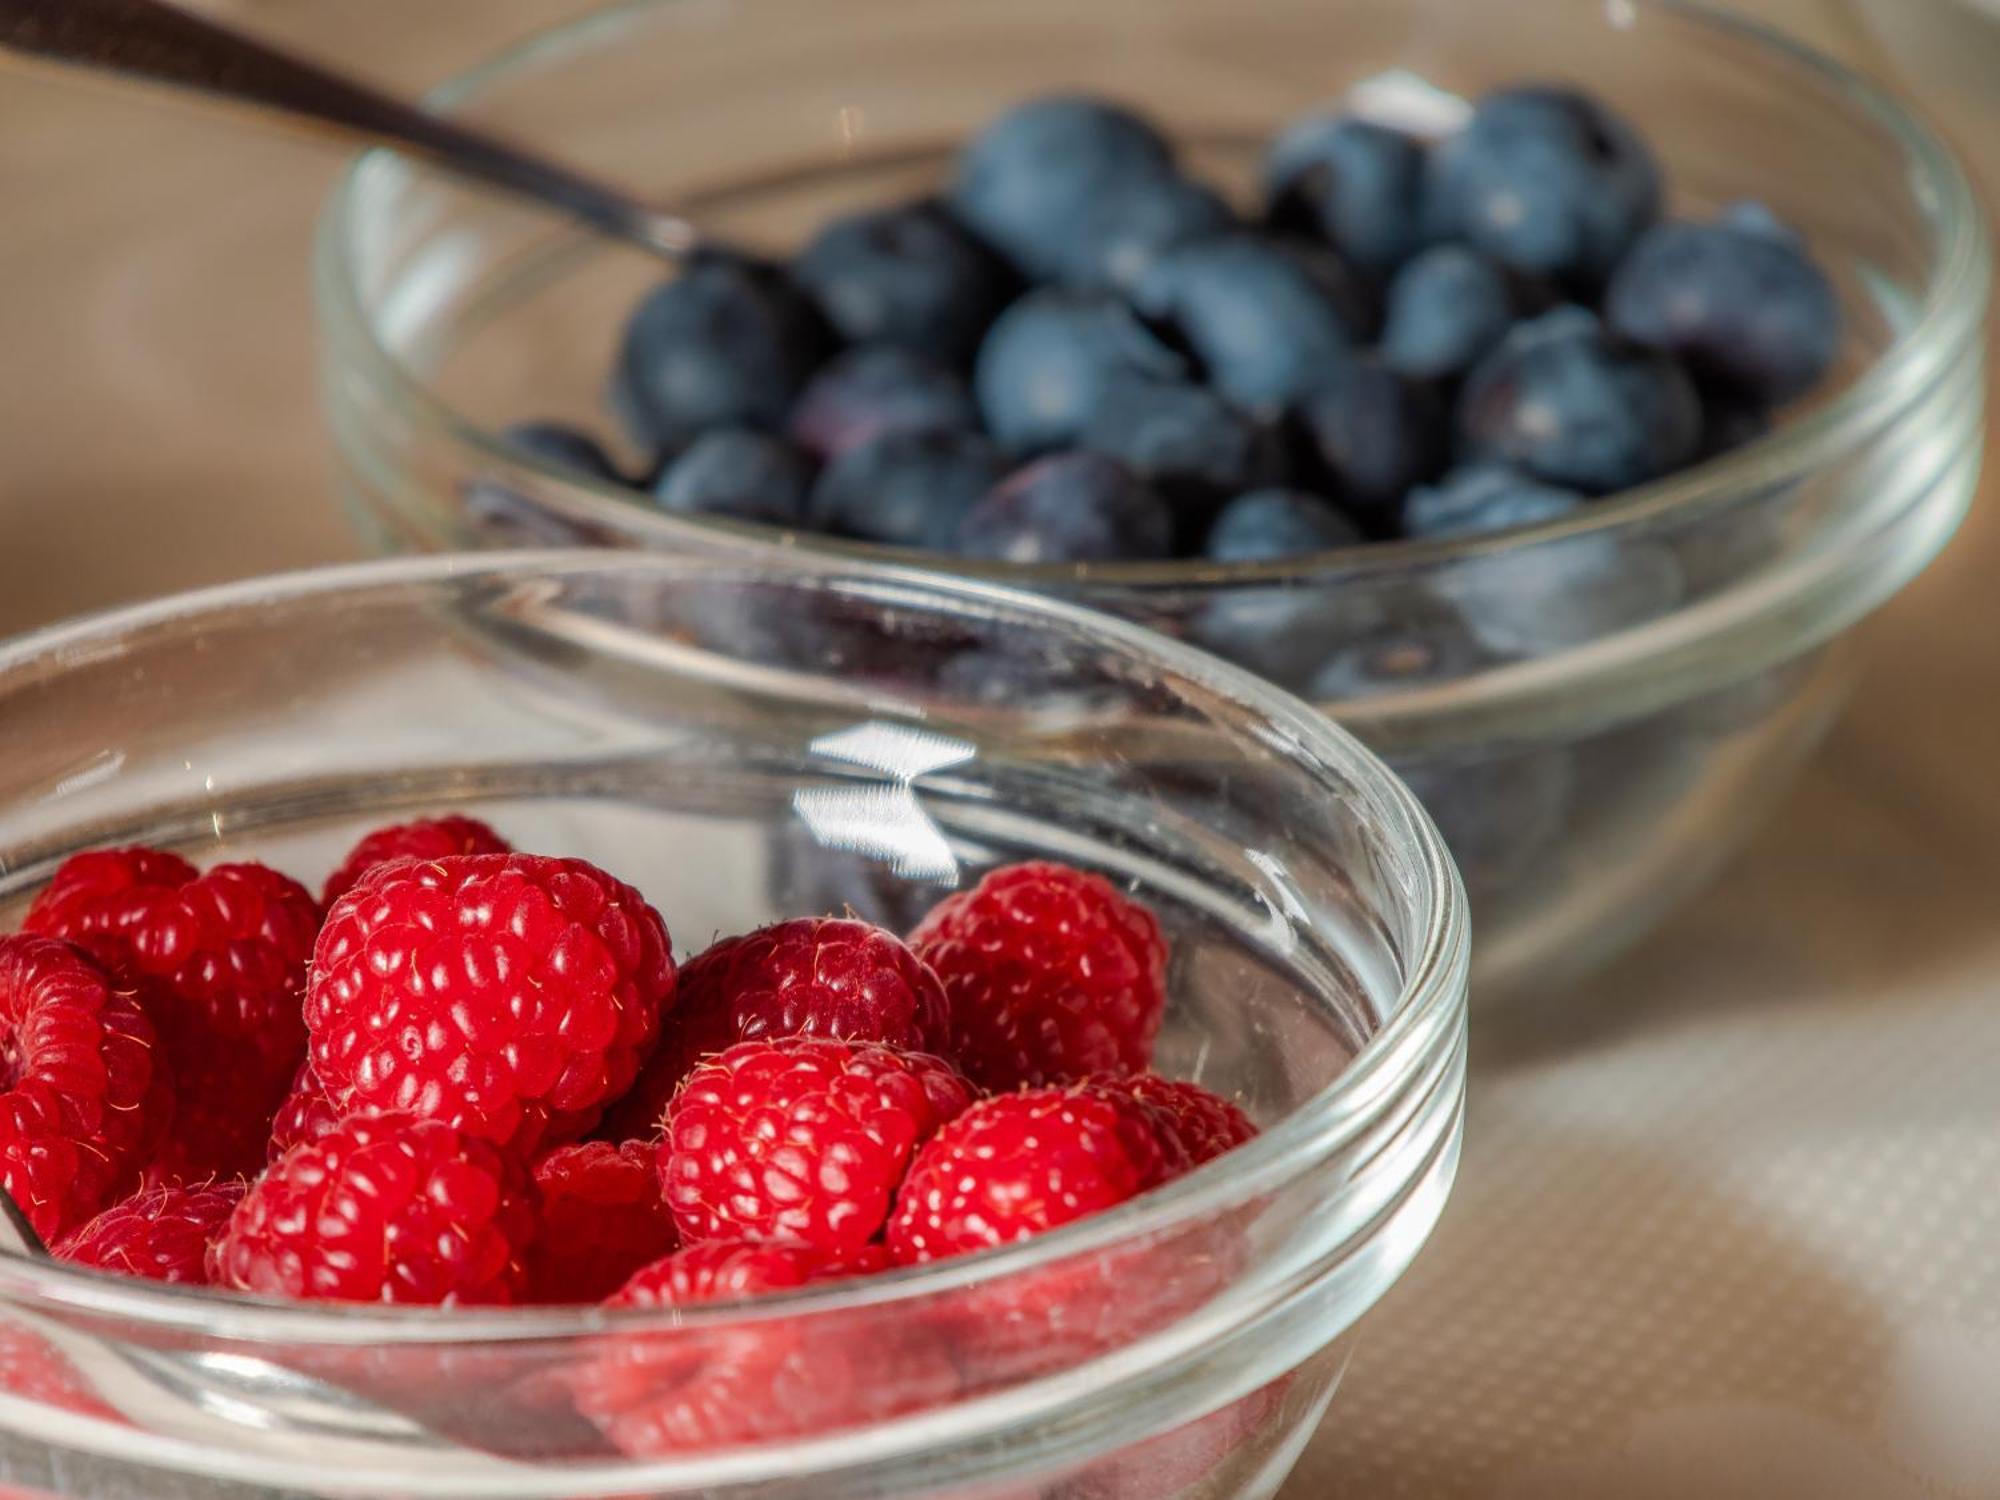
{"x": 602, "y": 1218}
{"x": 426, "y": 838}
{"x": 84, "y": 1101}
{"x": 1201, "y": 1124}
{"x": 730, "y": 1270}
{"x": 1052, "y": 975}
{"x": 1017, "y": 1165}
{"x": 509, "y": 995}
{"x": 818, "y": 976}
{"x": 384, "y": 1208}
{"x": 681, "y": 1390}
{"x": 306, "y": 1115}
{"x": 219, "y": 962}
{"x": 801, "y": 1139}
{"x": 159, "y": 1233}
{"x": 32, "y": 1369}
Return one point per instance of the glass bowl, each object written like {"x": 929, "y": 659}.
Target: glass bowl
{"x": 617, "y": 708}
{"x": 1596, "y": 712}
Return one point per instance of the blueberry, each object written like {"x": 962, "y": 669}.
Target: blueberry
{"x": 1419, "y": 648}
{"x": 1185, "y": 441}
{"x": 1501, "y": 816}
{"x": 1122, "y": 230}
{"x": 1728, "y": 421}
{"x": 1268, "y": 524}
{"x": 1267, "y": 320}
{"x": 566, "y": 447}
{"x": 867, "y": 392}
{"x": 908, "y": 276}
{"x": 727, "y": 343}
{"x": 1484, "y": 497}
{"x": 1564, "y": 401}
{"x": 1046, "y": 361}
{"x": 1025, "y": 182}
{"x": 1356, "y": 184}
{"x": 905, "y": 489}
{"x": 1546, "y": 181}
{"x": 1445, "y": 308}
{"x": 1280, "y": 631}
{"x": 739, "y": 473}
{"x": 1554, "y": 595}
{"x": 1069, "y": 507}
{"x": 1745, "y": 308}
{"x": 1370, "y": 435}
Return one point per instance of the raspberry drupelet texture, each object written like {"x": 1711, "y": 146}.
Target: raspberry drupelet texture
{"x": 1052, "y": 975}
{"x": 86, "y": 1094}
{"x": 685, "y": 1390}
{"x": 218, "y": 961}
{"x": 509, "y": 995}
{"x": 801, "y": 1139}
{"x": 425, "y": 838}
{"x": 306, "y": 1115}
{"x": 603, "y": 1217}
{"x": 816, "y": 976}
{"x": 1202, "y": 1125}
{"x": 1020, "y": 1164}
{"x": 385, "y": 1208}
{"x": 159, "y": 1233}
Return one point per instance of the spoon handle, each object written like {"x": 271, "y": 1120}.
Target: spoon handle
{"x": 152, "y": 40}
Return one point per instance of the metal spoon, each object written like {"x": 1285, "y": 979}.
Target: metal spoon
{"x": 151, "y": 40}
{"x": 239, "y": 1402}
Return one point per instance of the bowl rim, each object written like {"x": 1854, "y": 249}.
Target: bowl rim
{"x": 1953, "y": 299}
{"x": 1428, "y": 1012}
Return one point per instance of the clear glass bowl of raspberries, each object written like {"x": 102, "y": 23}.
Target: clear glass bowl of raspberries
{"x": 586, "y": 1024}
{"x": 1535, "y": 399}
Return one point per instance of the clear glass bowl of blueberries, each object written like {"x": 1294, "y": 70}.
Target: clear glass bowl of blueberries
{"x": 1544, "y": 402}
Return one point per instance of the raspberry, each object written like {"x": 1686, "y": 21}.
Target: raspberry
{"x": 509, "y": 995}
{"x": 602, "y": 1218}
{"x": 818, "y": 976}
{"x": 219, "y": 963}
{"x": 426, "y": 838}
{"x": 1017, "y": 1165}
{"x": 85, "y": 1099}
{"x": 683, "y": 1390}
{"x": 801, "y": 1139}
{"x": 306, "y": 1115}
{"x": 1201, "y": 1124}
{"x": 384, "y": 1208}
{"x": 1175, "y": 1461}
{"x": 1052, "y": 975}
{"x": 159, "y": 1233}
{"x": 32, "y": 1370}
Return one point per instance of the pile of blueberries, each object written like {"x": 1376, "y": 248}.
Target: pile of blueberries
{"x": 1078, "y": 353}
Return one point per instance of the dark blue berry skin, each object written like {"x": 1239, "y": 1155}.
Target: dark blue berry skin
{"x": 1419, "y": 649}
{"x": 1069, "y": 507}
{"x": 905, "y": 489}
{"x": 1124, "y": 229}
{"x": 1048, "y": 359}
{"x": 727, "y": 343}
{"x": 1185, "y": 441}
{"x": 739, "y": 473}
{"x": 1025, "y": 182}
{"x": 1444, "y": 310}
{"x": 1274, "y": 523}
{"x": 1266, "y": 320}
{"x": 1369, "y": 436}
{"x": 1728, "y": 422}
{"x": 1562, "y": 593}
{"x": 1563, "y": 400}
{"x": 1280, "y": 631}
{"x": 866, "y": 392}
{"x": 1546, "y": 181}
{"x": 908, "y": 276}
{"x": 1744, "y": 308}
{"x": 1484, "y": 497}
{"x": 565, "y": 446}
{"x": 1355, "y": 184}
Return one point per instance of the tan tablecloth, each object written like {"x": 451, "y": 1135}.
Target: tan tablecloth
{"x": 1729, "y": 1220}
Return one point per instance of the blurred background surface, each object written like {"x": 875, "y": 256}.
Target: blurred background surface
{"x": 1729, "y": 1225}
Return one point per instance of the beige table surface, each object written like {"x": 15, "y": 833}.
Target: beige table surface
{"x": 1729, "y": 1219}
